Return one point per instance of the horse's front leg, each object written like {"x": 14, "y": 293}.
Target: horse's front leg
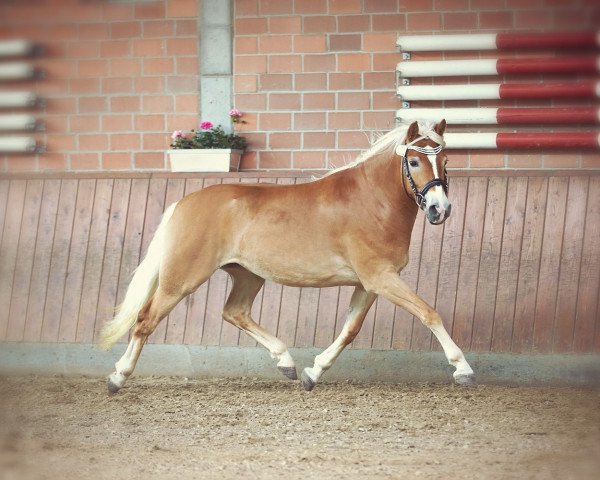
{"x": 390, "y": 286}
{"x": 359, "y": 306}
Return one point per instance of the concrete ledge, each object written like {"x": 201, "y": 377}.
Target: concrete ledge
{"x": 359, "y": 365}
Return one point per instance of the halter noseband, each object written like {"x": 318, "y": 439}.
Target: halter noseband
{"x": 420, "y": 195}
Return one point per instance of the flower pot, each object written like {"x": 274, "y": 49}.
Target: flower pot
{"x": 205, "y": 160}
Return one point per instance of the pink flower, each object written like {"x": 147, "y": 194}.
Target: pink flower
{"x": 206, "y": 125}
{"x": 235, "y": 113}
{"x": 177, "y": 134}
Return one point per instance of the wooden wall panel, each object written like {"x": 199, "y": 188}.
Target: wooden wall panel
{"x": 515, "y": 268}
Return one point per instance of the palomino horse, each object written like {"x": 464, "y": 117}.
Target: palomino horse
{"x": 350, "y": 227}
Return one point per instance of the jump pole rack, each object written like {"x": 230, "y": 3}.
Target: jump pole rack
{"x": 586, "y": 64}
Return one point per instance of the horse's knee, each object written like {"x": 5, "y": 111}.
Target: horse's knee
{"x": 431, "y": 318}
{"x": 236, "y": 317}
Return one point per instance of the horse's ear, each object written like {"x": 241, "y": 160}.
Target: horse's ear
{"x": 413, "y": 132}
{"x": 440, "y": 128}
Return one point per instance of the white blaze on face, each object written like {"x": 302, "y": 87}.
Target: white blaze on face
{"x": 435, "y": 195}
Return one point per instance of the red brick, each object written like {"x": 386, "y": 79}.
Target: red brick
{"x": 354, "y": 101}
{"x": 251, "y": 101}
{"x": 249, "y": 161}
{"x": 245, "y": 45}
{"x": 60, "y": 143}
{"x": 248, "y": 8}
{"x": 319, "y": 140}
{"x": 158, "y": 66}
{"x": 84, "y": 85}
{"x": 157, "y": 104}
{"x": 245, "y": 83}
{"x": 378, "y": 6}
{"x": 116, "y": 161}
{"x": 115, "y": 11}
{"x": 84, "y": 161}
{"x": 275, "y": 44}
{"x": 149, "y": 160}
{"x": 283, "y": 101}
{"x": 379, "y": 80}
{"x": 343, "y": 120}
{"x": 379, "y": 42}
{"x": 310, "y": 6}
{"x": 416, "y": 6}
{"x": 394, "y": 22}
{"x": 319, "y": 63}
{"x": 309, "y": 121}
{"x": 182, "y": 46}
{"x": 125, "y": 104}
{"x": 450, "y": 5}
{"x": 149, "y": 84}
{"x": 181, "y": 84}
{"x": 256, "y": 141}
{"x": 182, "y": 8}
{"x": 117, "y": 123}
{"x": 124, "y": 29}
{"x": 345, "y": 42}
{"x": 310, "y": 43}
{"x": 495, "y": 20}
{"x": 52, "y": 161}
{"x": 274, "y": 7}
{"x": 115, "y": 48}
{"x": 379, "y": 121}
{"x": 250, "y": 64}
{"x": 385, "y": 62}
{"x": 532, "y": 19}
{"x": 345, "y": 81}
{"x": 21, "y": 163}
{"x": 125, "y": 67}
{"x": 318, "y": 101}
{"x": 149, "y": 123}
{"x": 186, "y": 104}
{"x": 92, "y": 104}
{"x": 273, "y": 160}
{"x": 354, "y": 23}
{"x": 149, "y": 48}
{"x": 94, "y": 31}
{"x": 285, "y": 140}
{"x": 424, "y": 21}
{"x": 117, "y": 85}
{"x": 274, "y": 121}
{"x": 354, "y": 62}
{"x": 92, "y": 143}
{"x": 486, "y": 160}
{"x": 344, "y": 6}
{"x": 319, "y": 24}
{"x": 158, "y": 28}
{"x": 310, "y": 81}
{"x": 186, "y": 66}
{"x": 523, "y": 160}
{"x": 177, "y": 121}
{"x": 125, "y": 141}
{"x": 561, "y": 160}
{"x": 250, "y": 26}
{"x": 155, "y": 141}
{"x": 271, "y": 82}
{"x": 478, "y": 5}
{"x": 385, "y": 101}
{"x": 590, "y": 160}
{"x": 186, "y": 28}
{"x": 93, "y": 68}
{"x": 84, "y": 123}
{"x": 83, "y": 50}
{"x": 287, "y": 25}
{"x": 460, "y": 21}
{"x": 149, "y": 10}
{"x": 284, "y": 63}
{"x": 353, "y": 139}
{"x": 308, "y": 160}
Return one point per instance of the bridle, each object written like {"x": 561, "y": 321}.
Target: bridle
{"x": 420, "y": 194}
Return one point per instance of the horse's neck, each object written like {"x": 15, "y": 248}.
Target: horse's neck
{"x": 382, "y": 177}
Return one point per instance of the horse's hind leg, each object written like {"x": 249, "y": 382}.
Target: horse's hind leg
{"x": 238, "y": 307}
{"x": 158, "y": 307}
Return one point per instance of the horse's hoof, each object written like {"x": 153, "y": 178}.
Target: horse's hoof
{"x": 112, "y": 387}
{"x": 465, "y": 380}
{"x": 289, "y": 372}
{"x": 307, "y": 382}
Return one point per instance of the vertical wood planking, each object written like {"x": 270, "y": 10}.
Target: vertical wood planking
{"x": 403, "y": 322}
{"x": 9, "y": 247}
{"x": 364, "y": 339}
{"x": 384, "y": 322}
{"x": 508, "y": 274}
{"x": 487, "y": 283}
{"x": 428, "y": 281}
{"x": 587, "y": 315}
{"x": 307, "y": 317}
{"x": 77, "y": 257}
{"x": 4, "y": 188}
{"x": 24, "y": 262}
{"x": 529, "y": 267}
{"x": 450, "y": 260}
{"x": 469, "y": 261}
{"x": 550, "y": 264}
{"x": 326, "y": 316}
{"x": 59, "y": 262}
{"x": 570, "y": 263}
{"x": 343, "y": 308}
{"x": 175, "y": 189}
{"x": 41, "y": 261}
{"x": 93, "y": 261}
{"x": 111, "y": 264}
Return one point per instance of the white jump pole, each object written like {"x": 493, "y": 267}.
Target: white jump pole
{"x": 524, "y": 140}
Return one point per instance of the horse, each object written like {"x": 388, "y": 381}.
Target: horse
{"x": 350, "y": 227}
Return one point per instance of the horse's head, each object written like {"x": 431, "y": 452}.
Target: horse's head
{"x": 424, "y": 171}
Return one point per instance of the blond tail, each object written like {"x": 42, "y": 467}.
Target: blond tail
{"x": 142, "y": 287}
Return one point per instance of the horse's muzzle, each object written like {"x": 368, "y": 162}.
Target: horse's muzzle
{"x": 436, "y": 214}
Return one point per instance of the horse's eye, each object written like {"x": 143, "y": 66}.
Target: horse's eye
{"x": 414, "y": 163}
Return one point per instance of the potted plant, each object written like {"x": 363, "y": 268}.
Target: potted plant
{"x": 208, "y": 149}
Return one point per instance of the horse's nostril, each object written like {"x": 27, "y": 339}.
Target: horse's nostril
{"x": 435, "y": 210}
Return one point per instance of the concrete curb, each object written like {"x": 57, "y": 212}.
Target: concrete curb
{"x": 391, "y": 366}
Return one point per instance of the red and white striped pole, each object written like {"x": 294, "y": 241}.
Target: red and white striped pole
{"x": 499, "y": 66}
{"x": 503, "y": 116}
{"x": 524, "y": 140}
{"x": 497, "y": 91}
{"x": 498, "y": 41}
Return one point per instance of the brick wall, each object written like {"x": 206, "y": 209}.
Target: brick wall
{"x": 315, "y": 77}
